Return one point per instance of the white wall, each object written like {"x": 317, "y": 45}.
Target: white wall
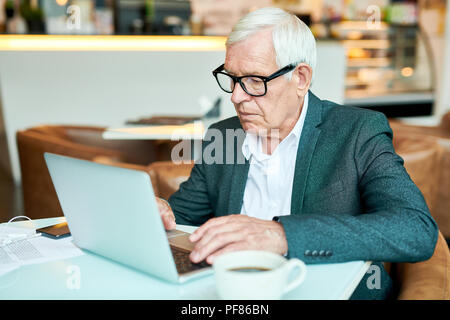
{"x": 331, "y": 68}
{"x": 438, "y": 40}
{"x": 106, "y": 88}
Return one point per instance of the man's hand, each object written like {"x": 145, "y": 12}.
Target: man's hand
{"x": 167, "y": 216}
{"x": 236, "y": 232}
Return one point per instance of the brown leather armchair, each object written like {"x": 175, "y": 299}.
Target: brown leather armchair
{"x": 440, "y": 201}
{"x": 423, "y": 159}
{"x": 427, "y": 280}
{"x": 167, "y": 176}
{"x": 426, "y": 151}
{"x": 40, "y": 199}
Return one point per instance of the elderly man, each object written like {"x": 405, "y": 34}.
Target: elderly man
{"x": 320, "y": 181}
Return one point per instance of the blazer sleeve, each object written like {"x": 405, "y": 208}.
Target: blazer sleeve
{"x": 395, "y": 225}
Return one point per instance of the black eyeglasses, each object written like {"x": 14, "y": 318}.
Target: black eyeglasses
{"x": 253, "y": 85}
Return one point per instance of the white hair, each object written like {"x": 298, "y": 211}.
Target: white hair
{"x": 293, "y": 41}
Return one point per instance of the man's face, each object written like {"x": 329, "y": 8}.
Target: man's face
{"x": 280, "y": 107}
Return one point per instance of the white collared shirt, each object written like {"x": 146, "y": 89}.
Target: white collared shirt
{"x": 268, "y": 190}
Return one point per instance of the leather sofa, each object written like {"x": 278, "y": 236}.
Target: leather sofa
{"x": 83, "y": 142}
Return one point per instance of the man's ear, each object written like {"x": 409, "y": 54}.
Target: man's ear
{"x": 303, "y": 76}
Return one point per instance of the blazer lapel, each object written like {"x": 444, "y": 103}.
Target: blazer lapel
{"x": 238, "y": 179}
{"x": 237, "y": 187}
{"x": 306, "y": 146}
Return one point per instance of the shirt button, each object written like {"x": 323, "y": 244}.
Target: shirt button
{"x": 322, "y": 253}
{"x": 307, "y": 253}
{"x": 315, "y": 253}
{"x": 329, "y": 253}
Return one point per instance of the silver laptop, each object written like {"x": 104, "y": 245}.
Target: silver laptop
{"x": 112, "y": 212}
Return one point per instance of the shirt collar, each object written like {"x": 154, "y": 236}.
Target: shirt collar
{"x": 251, "y": 141}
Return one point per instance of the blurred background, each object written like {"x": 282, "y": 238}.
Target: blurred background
{"x": 391, "y": 45}
{"x": 105, "y": 63}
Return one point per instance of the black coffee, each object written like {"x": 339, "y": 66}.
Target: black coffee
{"x": 249, "y": 269}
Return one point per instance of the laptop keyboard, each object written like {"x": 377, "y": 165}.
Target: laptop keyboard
{"x": 183, "y": 262}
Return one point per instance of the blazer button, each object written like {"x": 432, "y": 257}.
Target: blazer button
{"x": 322, "y": 253}
{"x": 307, "y": 253}
{"x": 328, "y": 253}
{"x": 315, "y": 253}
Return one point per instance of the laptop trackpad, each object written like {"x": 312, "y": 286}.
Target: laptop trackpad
{"x": 182, "y": 242}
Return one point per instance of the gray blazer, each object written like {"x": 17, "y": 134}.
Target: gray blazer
{"x": 352, "y": 198}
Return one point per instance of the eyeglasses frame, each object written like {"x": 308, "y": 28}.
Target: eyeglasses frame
{"x": 235, "y": 79}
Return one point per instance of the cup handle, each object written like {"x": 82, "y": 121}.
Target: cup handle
{"x": 291, "y": 265}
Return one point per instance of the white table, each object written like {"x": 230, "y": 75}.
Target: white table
{"x": 191, "y": 131}
{"x": 100, "y": 278}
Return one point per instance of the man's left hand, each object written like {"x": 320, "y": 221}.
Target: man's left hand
{"x": 236, "y": 232}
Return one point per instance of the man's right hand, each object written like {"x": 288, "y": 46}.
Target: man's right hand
{"x": 167, "y": 216}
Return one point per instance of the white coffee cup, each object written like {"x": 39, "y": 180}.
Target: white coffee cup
{"x": 258, "y": 275}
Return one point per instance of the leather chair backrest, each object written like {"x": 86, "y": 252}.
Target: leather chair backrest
{"x": 83, "y": 142}
{"x": 40, "y": 200}
{"x": 426, "y": 280}
{"x": 140, "y": 152}
{"x": 168, "y": 176}
{"x": 423, "y": 157}
{"x": 445, "y": 122}
{"x": 441, "y": 207}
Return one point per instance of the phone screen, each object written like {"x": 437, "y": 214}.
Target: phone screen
{"x": 56, "y": 231}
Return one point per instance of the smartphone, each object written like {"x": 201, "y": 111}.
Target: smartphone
{"x": 56, "y": 231}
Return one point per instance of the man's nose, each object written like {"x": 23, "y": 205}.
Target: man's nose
{"x": 239, "y": 95}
